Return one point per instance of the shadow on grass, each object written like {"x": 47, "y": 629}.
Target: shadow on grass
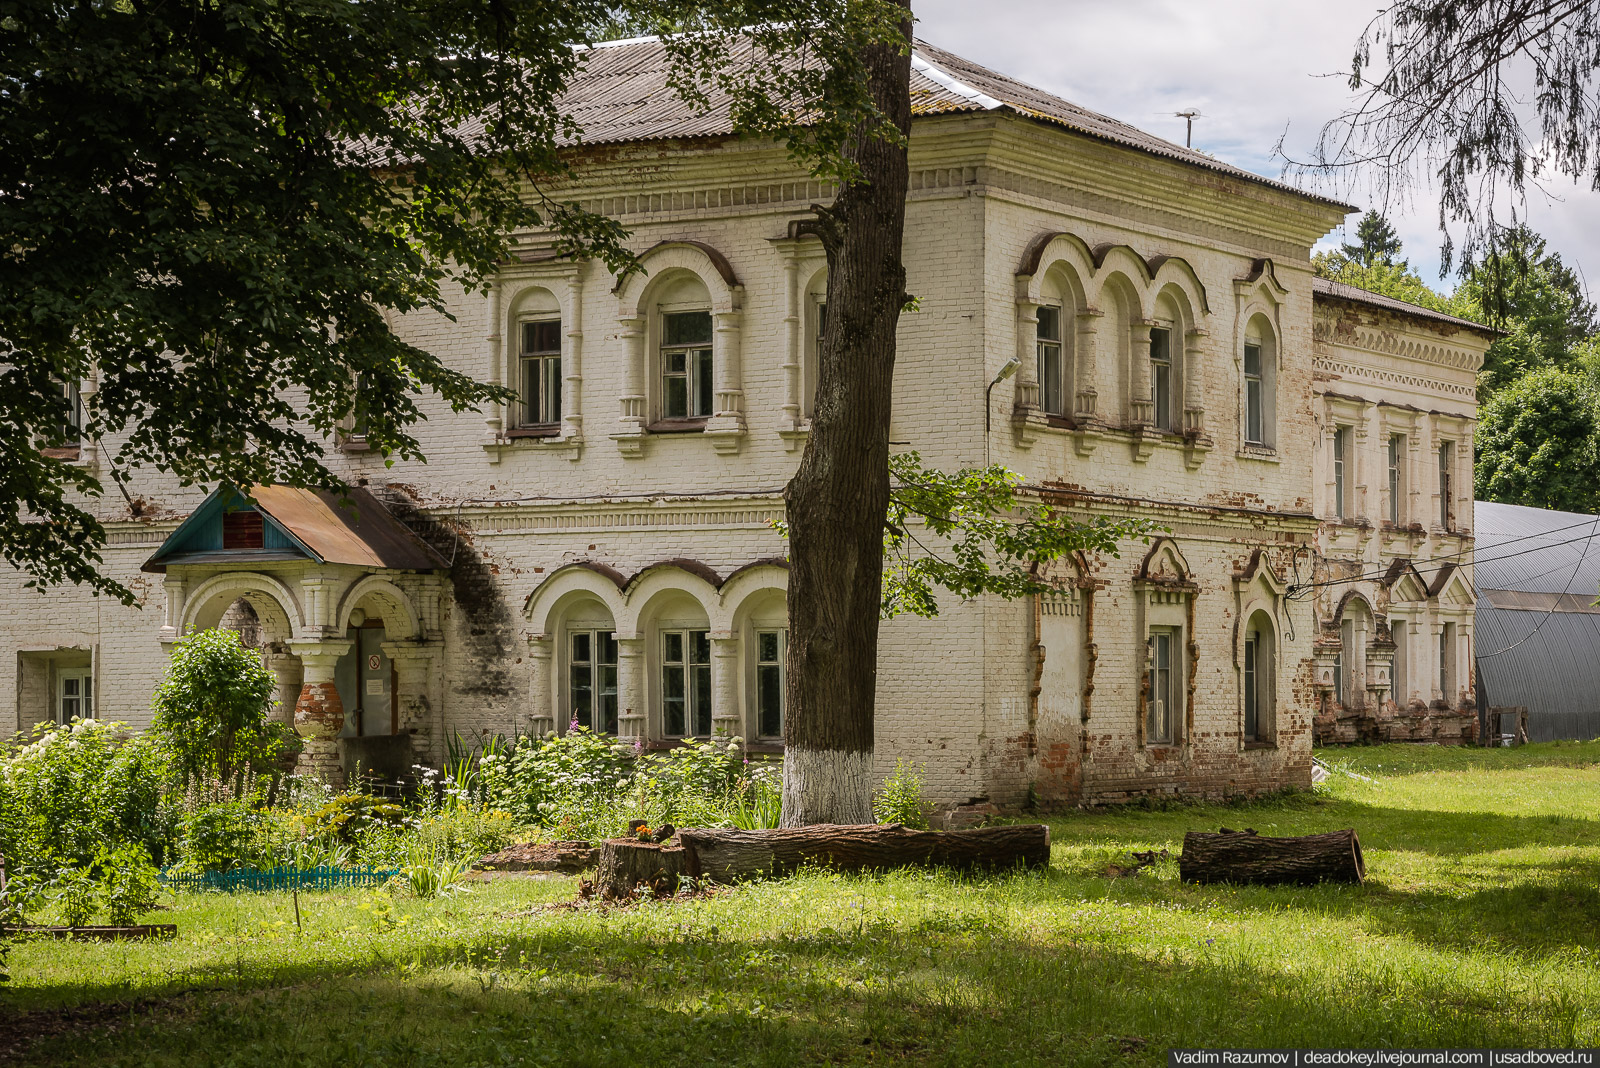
{"x": 576, "y": 990}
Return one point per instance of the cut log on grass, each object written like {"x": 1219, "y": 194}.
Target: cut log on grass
{"x": 1246, "y": 857}
{"x": 626, "y": 863}
{"x": 725, "y": 855}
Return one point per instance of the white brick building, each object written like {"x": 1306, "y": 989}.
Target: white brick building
{"x": 602, "y": 552}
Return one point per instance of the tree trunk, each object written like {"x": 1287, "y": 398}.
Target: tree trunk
{"x": 625, "y": 864}
{"x": 727, "y": 856}
{"x": 1246, "y": 857}
{"x": 838, "y": 498}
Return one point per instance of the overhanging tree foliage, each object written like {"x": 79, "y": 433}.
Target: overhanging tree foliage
{"x": 1484, "y": 95}
{"x": 1538, "y": 443}
{"x": 208, "y": 208}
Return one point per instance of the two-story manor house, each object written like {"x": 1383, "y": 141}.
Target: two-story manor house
{"x": 600, "y": 552}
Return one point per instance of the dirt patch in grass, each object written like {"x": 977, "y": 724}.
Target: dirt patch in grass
{"x": 22, "y": 1032}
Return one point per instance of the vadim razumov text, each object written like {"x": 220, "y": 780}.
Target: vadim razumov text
{"x": 1383, "y": 1058}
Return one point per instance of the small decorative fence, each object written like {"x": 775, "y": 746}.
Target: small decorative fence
{"x": 238, "y": 879}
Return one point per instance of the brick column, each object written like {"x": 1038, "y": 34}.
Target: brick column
{"x": 1143, "y": 405}
{"x": 725, "y": 719}
{"x": 319, "y": 714}
{"x": 413, "y": 664}
{"x": 1089, "y": 375}
{"x": 1194, "y": 383}
{"x": 539, "y": 690}
{"x": 631, "y": 666}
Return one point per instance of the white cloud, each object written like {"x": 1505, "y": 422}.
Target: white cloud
{"x": 1253, "y": 68}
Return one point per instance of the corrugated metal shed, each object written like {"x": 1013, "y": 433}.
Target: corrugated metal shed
{"x": 1538, "y": 634}
{"x": 621, "y": 95}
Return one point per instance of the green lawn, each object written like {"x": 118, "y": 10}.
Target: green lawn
{"x": 1478, "y": 927}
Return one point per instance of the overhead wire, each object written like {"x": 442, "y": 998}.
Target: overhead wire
{"x": 1552, "y": 610}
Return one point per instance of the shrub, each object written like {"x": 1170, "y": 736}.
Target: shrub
{"x": 220, "y": 836}
{"x": 576, "y": 783}
{"x": 71, "y": 790}
{"x": 79, "y": 895}
{"x": 899, "y": 799}
{"x": 211, "y": 708}
{"x": 129, "y": 880}
{"x": 347, "y": 816}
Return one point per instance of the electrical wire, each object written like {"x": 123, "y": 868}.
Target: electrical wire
{"x": 1552, "y": 610}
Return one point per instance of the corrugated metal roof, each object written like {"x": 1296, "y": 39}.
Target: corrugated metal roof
{"x": 621, "y": 95}
{"x": 1328, "y": 289}
{"x": 1538, "y": 644}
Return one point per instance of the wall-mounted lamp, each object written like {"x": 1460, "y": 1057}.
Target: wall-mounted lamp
{"x": 1007, "y": 369}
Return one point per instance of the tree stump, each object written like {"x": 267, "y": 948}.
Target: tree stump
{"x": 1246, "y": 857}
{"x": 626, "y": 863}
{"x": 726, "y": 855}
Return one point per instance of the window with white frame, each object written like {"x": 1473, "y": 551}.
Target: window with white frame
{"x": 1397, "y": 453}
{"x": 813, "y": 366}
{"x": 1161, "y": 377}
{"x": 686, "y": 683}
{"x": 74, "y": 695}
{"x": 592, "y": 679}
{"x": 686, "y": 386}
{"x": 539, "y": 389}
{"x": 1341, "y": 454}
{"x": 1255, "y": 399}
{"x": 1259, "y": 664}
{"x": 1165, "y": 686}
{"x": 1446, "y": 484}
{"x": 770, "y": 649}
{"x": 1052, "y": 372}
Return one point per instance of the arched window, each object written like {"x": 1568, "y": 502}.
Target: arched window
{"x": 1259, "y": 668}
{"x": 1166, "y": 367}
{"x": 537, "y": 335}
{"x": 681, "y": 327}
{"x": 588, "y": 680}
{"x": 1259, "y": 400}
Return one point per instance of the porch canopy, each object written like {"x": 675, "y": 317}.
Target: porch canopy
{"x": 345, "y": 601}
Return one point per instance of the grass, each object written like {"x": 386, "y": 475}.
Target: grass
{"x": 1475, "y": 929}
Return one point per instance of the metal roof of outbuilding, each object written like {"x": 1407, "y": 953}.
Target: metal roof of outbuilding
{"x": 620, "y": 94}
{"x": 1537, "y": 630}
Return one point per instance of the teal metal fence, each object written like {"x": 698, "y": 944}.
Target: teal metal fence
{"x": 229, "y": 882}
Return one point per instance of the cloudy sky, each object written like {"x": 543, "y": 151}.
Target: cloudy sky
{"x": 1257, "y": 70}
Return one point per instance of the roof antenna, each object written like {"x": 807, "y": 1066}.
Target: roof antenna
{"x": 1188, "y": 117}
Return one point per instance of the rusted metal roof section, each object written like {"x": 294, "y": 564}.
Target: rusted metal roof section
{"x": 1537, "y": 633}
{"x": 358, "y": 530}
{"x": 621, "y": 95}
{"x": 1327, "y": 289}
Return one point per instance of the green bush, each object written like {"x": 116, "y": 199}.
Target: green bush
{"x": 220, "y": 836}
{"x": 899, "y": 799}
{"x": 69, "y": 791}
{"x": 211, "y": 709}
{"x": 130, "y": 882}
{"x": 347, "y": 816}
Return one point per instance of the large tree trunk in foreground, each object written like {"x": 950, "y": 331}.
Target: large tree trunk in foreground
{"x": 727, "y": 856}
{"x": 1246, "y": 857}
{"x": 625, "y": 864}
{"x": 838, "y": 498}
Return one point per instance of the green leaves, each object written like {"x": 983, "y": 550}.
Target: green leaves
{"x": 214, "y": 211}
{"x": 966, "y": 533}
{"x": 1538, "y": 443}
{"x": 211, "y": 708}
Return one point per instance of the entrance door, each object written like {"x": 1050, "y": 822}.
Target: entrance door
{"x": 374, "y": 683}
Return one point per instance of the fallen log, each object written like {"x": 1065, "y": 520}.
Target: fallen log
{"x": 1246, "y": 857}
{"x": 725, "y": 855}
{"x": 626, "y": 863}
